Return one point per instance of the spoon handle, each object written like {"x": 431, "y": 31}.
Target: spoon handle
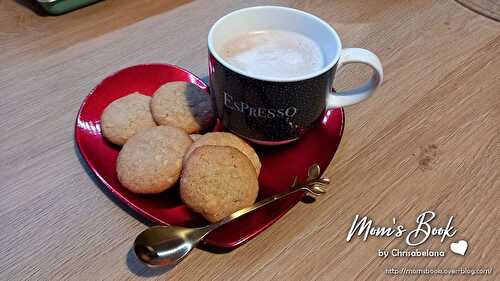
{"x": 264, "y": 202}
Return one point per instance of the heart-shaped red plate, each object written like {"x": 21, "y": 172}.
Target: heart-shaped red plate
{"x": 280, "y": 164}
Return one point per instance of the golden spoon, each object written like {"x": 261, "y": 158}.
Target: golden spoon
{"x": 167, "y": 245}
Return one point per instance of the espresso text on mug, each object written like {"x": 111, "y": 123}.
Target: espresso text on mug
{"x": 258, "y": 112}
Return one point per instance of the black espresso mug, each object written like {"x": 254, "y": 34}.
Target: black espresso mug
{"x": 274, "y": 110}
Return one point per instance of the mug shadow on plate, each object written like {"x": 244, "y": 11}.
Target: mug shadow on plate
{"x": 192, "y": 99}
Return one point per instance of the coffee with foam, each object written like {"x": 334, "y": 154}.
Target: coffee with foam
{"x": 273, "y": 53}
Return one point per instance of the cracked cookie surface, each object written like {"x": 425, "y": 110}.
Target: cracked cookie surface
{"x": 217, "y": 181}
{"x": 151, "y": 160}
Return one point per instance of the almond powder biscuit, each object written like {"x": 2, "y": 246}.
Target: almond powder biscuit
{"x": 151, "y": 160}
{"x": 226, "y": 139}
{"x": 126, "y": 116}
{"x": 183, "y": 105}
{"x": 216, "y": 181}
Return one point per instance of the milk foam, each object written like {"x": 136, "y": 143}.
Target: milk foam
{"x": 274, "y": 53}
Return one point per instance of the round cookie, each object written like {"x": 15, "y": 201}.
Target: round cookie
{"x": 151, "y": 160}
{"x": 226, "y": 139}
{"x": 217, "y": 181}
{"x": 183, "y": 105}
{"x": 126, "y": 116}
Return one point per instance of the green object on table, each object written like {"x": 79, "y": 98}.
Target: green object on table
{"x": 57, "y": 7}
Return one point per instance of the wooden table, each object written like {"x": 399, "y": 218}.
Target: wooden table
{"x": 428, "y": 140}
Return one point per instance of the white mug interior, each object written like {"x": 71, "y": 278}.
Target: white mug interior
{"x": 262, "y": 18}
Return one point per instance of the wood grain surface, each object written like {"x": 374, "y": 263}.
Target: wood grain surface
{"x": 488, "y": 8}
{"x": 427, "y": 140}
{"x": 26, "y": 29}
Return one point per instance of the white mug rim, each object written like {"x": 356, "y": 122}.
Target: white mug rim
{"x": 326, "y": 68}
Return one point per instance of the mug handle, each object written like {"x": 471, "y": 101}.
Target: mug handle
{"x": 349, "y": 97}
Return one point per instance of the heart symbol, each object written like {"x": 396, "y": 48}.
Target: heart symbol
{"x": 459, "y": 247}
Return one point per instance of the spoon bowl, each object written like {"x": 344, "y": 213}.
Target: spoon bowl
{"x": 167, "y": 245}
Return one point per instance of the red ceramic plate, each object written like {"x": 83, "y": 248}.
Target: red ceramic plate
{"x": 280, "y": 164}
